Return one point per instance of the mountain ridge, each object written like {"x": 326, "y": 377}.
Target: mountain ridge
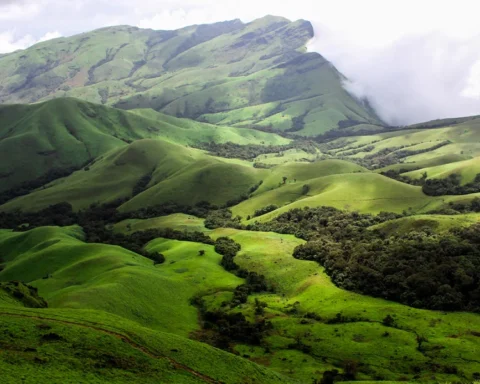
{"x": 256, "y": 75}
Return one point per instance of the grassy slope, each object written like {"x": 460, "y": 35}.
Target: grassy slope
{"x": 179, "y": 221}
{"x": 306, "y": 283}
{"x": 225, "y": 73}
{"x": 365, "y": 192}
{"x": 464, "y": 144}
{"x": 437, "y": 223}
{"x": 101, "y": 298}
{"x": 433, "y": 162}
{"x": 468, "y": 169}
{"x": 300, "y": 282}
{"x": 303, "y": 286}
{"x": 186, "y": 131}
{"x": 180, "y": 174}
{"x": 67, "y": 132}
{"x": 112, "y": 279}
{"x": 110, "y": 349}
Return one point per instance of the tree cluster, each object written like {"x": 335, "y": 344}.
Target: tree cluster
{"x": 451, "y": 185}
{"x": 28, "y": 186}
{"x": 251, "y": 151}
{"x": 420, "y": 268}
{"x": 264, "y": 210}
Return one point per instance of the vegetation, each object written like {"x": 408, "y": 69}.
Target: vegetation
{"x": 223, "y": 73}
{"x": 237, "y": 172}
{"x": 451, "y": 185}
{"x": 368, "y": 262}
{"x": 251, "y": 151}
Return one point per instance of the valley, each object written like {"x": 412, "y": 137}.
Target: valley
{"x": 210, "y": 205}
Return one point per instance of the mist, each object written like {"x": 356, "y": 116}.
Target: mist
{"x": 415, "y": 79}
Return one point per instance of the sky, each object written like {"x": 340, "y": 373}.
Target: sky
{"x": 413, "y": 60}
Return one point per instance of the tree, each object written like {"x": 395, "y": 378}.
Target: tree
{"x": 157, "y": 257}
{"x": 305, "y": 189}
{"x": 284, "y": 178}
{"x": 388, "y": 321}
{"x": 350, "y": 369}
{"x": 260, "y": 307}
{"x": 201, "y": 252}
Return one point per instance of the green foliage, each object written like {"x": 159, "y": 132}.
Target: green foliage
{"x": 23, "y": 293}
{"x": 305, "y": 189}
{"x": 451, "y": 185}
{"x": 350, "y": 263}
{"x": 262, "y": 211}
{"x": 251, "y": 151}
{"x": 158, "y": 258}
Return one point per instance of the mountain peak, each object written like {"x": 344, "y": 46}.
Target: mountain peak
{"x": 254, "y": 75}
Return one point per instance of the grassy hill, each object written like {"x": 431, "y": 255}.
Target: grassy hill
{"x": 175, "y": 173}
{"x": 361, "y": 191}
{"x": 468, "y": 169}
{"x": 75, "y": 275}
{"x": 68, "y": 133}
{"x": 248, "y": 75}
{"x": 58, "y": 346}
{"x": 124, "y": 335}
{"x": 437, "y": 223}
{"x": 302, "y": 289}
{"x": 413, "y": 147}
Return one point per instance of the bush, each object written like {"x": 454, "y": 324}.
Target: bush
{"x": 158, "y": 258}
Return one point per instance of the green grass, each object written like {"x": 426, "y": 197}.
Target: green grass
{"x": 65, "y": 133}
{"x": 186, "y": 131}
{"x": 439, "y": 160}
{"x": 304, "y": 286}
{"x": 467, "y": 169}
{"x": 437, "y": 223}
{"x": 364, "y": 192}
{"x": 302, "y": 172}
{"x": 96, "y": 347}
{"x": 112, "y": 279}
{"x": 178, "y": 221}
{"x": 464, "y": 144}
{"x": 179, "y": 174}
{"x": 98, "y": 283}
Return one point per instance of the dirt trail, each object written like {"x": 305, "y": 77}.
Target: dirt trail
{"x": 133, "y": 344}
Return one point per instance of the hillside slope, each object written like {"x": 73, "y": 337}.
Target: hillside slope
{"x": 257, "y": 74}
{"x": 412, "y": 148}
{"x": 68, "y": 133}
{"x": 172, "y": 173}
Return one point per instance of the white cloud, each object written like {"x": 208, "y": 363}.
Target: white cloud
{"x": 415, "y": 60}
{"x": 10, "y": 42}
{"x": 49, "y": 36}
{"x": 19, "y": 10}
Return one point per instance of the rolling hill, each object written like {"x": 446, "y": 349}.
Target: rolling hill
{"x": 247, "y": 75}
{"x": 64, "y": 134}
{"x": 172, "y": 173}
{"x": 252, "y": 235}
{"x": 414, "y": 147}
{"x": 110, "y": 303}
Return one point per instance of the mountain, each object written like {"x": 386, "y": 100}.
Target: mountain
{"x": 209, "y": 205}
{"x": 245, "y": 75}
